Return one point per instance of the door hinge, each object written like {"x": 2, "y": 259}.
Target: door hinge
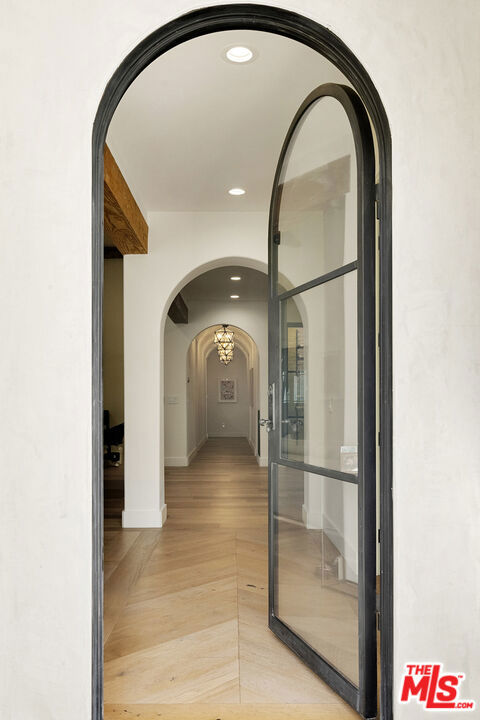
{"x": 379, "y": 438}
{"x": 276, "y": 237}
{"x": 378, "y": 340}
{"x": 379, "y": 534}
{"x": 377, "y": 615}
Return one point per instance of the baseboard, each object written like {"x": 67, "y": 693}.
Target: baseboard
{"x": 181, "y": 461}
{"x": 185, "y": 460}
{"x": 195, "y": 450}
{"x": 262, "y": 461}
{"x": 144, "y": 518}
{"x": 252, "y": 447}
{"x": 228, "y": 435}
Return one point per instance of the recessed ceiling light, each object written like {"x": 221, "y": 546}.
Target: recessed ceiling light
{"x": 234, "y": 297}
{"x": 239, "y": 54}
{"x": 235, "y": 277}
{"x": 236, "y": 191}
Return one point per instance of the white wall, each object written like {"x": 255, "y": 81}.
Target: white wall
{"x": 185, "y": 415}
{"x": 175, "y": 372}
{"x": 195, "y": 422}
{"x": 228, "y": 419}
{"x": 424, "y": 59}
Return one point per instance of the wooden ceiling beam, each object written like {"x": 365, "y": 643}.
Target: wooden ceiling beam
{"x": 124, "y": 223}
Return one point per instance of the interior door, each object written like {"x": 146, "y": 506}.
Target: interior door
{"x": 322, "y": 395}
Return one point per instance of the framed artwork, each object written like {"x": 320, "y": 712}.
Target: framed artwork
{"x": 227, "y": 390}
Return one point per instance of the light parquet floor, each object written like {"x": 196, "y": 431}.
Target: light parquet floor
{"x": 185, "y": 621}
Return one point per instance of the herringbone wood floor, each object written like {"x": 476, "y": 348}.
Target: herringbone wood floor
{"x": 185, "y": 623}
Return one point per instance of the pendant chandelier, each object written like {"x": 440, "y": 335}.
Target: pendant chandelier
{"x": 223, "y": 339}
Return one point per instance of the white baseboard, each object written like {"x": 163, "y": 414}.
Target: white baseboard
{"x": 262, "y": 461}
{"x": 195, "y": 450}
{"x": 144, "y": 518}
{"x": 227, "y": 435}
{"x": 181, "y": 461}
{"x": 185, "y": 460}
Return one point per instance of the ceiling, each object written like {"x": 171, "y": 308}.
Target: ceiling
{"x": 216, "y": 286}
{"x": 193, "y": 125}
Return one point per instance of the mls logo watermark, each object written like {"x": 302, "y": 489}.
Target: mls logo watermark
{"x": 428, "y": 684}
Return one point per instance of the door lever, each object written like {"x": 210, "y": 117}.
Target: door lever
{"x": 267, "y": 424}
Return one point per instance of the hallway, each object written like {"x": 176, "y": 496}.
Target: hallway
{"x": 186, "y": 605}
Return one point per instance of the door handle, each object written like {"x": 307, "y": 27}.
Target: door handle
{"x": 267, "y": 424}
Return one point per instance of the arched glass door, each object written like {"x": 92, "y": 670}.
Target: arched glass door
{"x": 322, "y": 394}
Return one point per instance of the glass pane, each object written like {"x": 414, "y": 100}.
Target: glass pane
{"x": 318, "y": 206}
{"x": 319, "y": 375}
{"x": 316, "y": 578}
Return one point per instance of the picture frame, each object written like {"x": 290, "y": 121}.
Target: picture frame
{"x": 227, "y": 390}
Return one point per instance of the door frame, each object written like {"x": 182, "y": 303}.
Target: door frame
{"x": 304, "y": 30}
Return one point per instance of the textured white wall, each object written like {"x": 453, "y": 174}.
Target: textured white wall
{"x": 56, "y": 60}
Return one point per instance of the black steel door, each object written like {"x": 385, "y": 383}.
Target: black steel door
{"x": 322, "y": 395}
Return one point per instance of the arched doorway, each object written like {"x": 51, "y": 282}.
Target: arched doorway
{"x": 205, "y": 416}
{"x": 319, "y": 38}
{"x": 253, "y": 320}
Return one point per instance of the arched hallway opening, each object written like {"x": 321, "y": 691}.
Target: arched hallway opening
{"x": 192, "y": 409}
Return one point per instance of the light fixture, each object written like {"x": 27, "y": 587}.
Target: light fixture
{"x": 239, "y": 54}
{"x": 222, "y": 335}
{"x": 234, "y": 297}
{"x": 236, "y": 191}
{"x": 223, "y": 339}
{"x": 225, "y": 358}
{"x": 235, "y": 277}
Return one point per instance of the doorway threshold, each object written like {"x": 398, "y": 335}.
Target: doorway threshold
{"x": 230, "y": 711}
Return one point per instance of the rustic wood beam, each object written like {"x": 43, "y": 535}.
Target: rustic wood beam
{"x": 124, "y": 224}
{"x": 178, "y": 311}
